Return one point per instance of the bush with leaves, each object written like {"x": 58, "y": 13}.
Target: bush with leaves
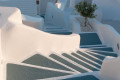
{"x": 86, "y": 10}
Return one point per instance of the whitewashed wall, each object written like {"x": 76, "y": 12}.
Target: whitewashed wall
{"x": 108, "y": 35}
{"x": 110, "y": 69}
{"x": 19, "y": 40}
{"x": 43, "y": 5}
{"x": 27, "y": 7}
{"x": 109, "y": 8}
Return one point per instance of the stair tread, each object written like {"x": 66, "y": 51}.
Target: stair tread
{"x": 102, "y": 49}
{"x": 106, "y": 53}
{"x": 88, "y": 61}
{"x": 61, "y": 33}
{"x": 87, "y": 77}
{"x": 79, "y": 62}
{"x": 20, "y": 72}
{"x": 91, "y": 58}
{"x": 89, "y": 39}
{"x": 40, "y": 60}
{"x": 93, "y": 46}
{"x": 98, "y": 56}
{"x": 67, "y": 63}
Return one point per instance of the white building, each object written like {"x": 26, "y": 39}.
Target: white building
{"x": 56, "y": 46}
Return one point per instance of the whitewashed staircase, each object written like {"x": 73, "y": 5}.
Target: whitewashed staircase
{"x": 56, "y": 66}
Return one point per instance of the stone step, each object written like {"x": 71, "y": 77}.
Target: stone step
{"x": 96, "y": 55}
{"x": 56, "y": 30}
{"x": 87, "y": 77}
{"x": 79, "y": 62}
{"x": 22, "y": 72}
{"x": 93, "y": 46}
{"x": 86, "y": 60}
{"x": 89, "y": 39}
{"x": 61, "y": 33}
{"x": 109, "y": 49}
{"x": 106, "y": 53}
{"x": 41, "y": 60}
{"x": 67, "y": 63}
{"x": 89, "y": 57}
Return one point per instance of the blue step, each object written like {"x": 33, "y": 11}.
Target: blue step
{"x": 88, "y": 61}
{"x": 40, "y": 60}
{"x": 96, "y": 55}
{"x": 67, "y": 63}
{"x": 79, "y": 62}
{"x": 61, "y": 33}
{"x": 87, "y": 77}
{"x": 89, "y": 57}
{"x": 106, "y": 53}
{"x": 20, "y": 72}
{"x": 89, "y": 39}
{"x": 92, "y": 46}
{"x": 109, "y": 49}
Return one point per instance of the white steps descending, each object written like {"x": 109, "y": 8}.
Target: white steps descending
{"x": 56, "y": 30}
{"x": 41, "y": 60}
{"x": 65, "y": 62}
{"x": 80, "y": 62}
{"x": 57, "y": 66}
{"x": 27, "y": 7}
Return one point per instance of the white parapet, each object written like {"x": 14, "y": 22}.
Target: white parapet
{"x": 110, "y": 69}
{"x": 107, "y": 34}
{"x": 36, "y": 22}
{"x": 19, "y": 40}
{"x": 75, "y": 24}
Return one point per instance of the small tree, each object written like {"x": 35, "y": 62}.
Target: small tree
{"x": 86, "y": 10}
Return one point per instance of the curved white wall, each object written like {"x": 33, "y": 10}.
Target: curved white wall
{"x": 110, "y": 9}
{"x": 108, "y": 35}
{"x": 27, "y": 7}
{"x": 43, "y": 5}
{"x": 19, "y": 40}
{"x": 55, "y": 16}
{"x": 110, "y": 69}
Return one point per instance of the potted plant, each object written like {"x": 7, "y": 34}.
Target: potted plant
{"x": 86, "y": 10}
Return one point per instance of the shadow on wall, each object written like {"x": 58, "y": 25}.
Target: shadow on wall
{"x": 110, "y": 9}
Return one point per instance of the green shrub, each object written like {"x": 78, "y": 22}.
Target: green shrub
{"x": 86, "y": 10}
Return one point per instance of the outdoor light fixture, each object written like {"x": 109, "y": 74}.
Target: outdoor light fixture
{"x": 56, "y": 1}
{"x": 37, "y": 2}
{"x": 118, "y": 46}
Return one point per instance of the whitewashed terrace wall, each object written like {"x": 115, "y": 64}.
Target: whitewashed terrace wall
{"x": 19, "y": 40}
{"x": 43, "y": 5}
{"x": 107, "y": 34}
{"x": 27, "y": 7}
